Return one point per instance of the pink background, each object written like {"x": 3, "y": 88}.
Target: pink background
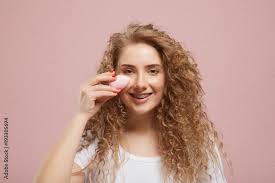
{"x": 47, "y": 48}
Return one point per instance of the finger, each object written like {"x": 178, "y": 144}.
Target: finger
{"x": 102, "y": 78}
{"x": 87, "y": 87}
{"x": 96, "y": 80}
{"x": 101, "y": 87}
{"x": 97, "y": 94}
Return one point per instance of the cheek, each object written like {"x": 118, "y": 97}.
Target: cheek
{"x": 158, "y": 84}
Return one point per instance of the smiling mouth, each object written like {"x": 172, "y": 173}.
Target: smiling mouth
{"x": 135, "y": 96}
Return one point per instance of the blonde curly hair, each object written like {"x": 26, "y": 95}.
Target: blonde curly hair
{"x": 186, "y": 136}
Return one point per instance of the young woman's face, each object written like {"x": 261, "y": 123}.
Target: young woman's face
{"x": 141, "y": 62}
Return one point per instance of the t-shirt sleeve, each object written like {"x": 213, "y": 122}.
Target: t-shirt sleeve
{"x": 216, "y": 169}
{"x": 83, "y": 157}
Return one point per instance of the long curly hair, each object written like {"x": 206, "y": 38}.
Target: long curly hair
{"x": 186, "y": 136}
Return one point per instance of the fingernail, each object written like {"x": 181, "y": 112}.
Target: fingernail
{"x": 116, "y": 90}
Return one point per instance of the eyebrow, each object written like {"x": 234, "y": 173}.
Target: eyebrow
{"x": 150, "y": 65}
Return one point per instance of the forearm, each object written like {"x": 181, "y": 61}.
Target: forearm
{"x": 58, "y": 165}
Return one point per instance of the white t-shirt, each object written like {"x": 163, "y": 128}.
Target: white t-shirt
{"x": 138, "y": 169}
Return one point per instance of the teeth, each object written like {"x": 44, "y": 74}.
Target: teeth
{"x": 141, "y": 96}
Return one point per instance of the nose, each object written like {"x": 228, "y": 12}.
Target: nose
{"x": 140, "y": 83}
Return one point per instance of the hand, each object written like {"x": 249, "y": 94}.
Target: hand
{"x": 94, "y": 93}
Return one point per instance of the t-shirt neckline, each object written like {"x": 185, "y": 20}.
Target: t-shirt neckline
{"x": 139, "y": 158}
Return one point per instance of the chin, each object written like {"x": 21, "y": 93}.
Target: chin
{"x": 140, "y": 111}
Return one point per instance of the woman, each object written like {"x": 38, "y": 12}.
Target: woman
{"x": 153, "y": 130}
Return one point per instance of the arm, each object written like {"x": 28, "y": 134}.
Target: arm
{"x": 59, "y": 163}
{"x": 57, "y": 168}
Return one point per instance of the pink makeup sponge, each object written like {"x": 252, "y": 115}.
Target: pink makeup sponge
{"x": 120, "y": 82}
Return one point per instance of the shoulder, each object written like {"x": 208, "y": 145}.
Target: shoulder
{"x": 215, "y": 169}
{"x": 83, "y": 156}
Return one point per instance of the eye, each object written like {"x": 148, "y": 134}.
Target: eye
{"x": 127, "y": 71}
{"x": 154, "y": 71}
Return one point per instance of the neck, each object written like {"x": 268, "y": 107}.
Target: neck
{"x": 140, "y": 131}
{"x": 140, "y": 124}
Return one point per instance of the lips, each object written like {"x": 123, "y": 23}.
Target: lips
{"x": 140, "y": 101}
{"x": 142, "y": 94}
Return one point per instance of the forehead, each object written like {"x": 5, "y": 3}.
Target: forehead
{"x": 139, "y": 54}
